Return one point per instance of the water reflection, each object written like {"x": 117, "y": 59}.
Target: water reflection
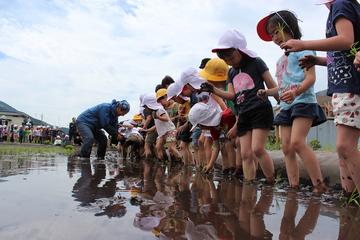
{"x": 289, "y": 229}
{"x": 169, "y": 202}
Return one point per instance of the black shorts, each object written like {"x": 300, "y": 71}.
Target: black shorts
{"x": 262, "y": 117}
{"x": 305, "y": 110}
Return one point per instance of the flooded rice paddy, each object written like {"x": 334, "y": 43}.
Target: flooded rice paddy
{"x": 52, "y": 197}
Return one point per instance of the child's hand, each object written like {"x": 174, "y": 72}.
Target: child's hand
{"x": 307, "y": 62}
{"x": 206, "y": 87}
{"x": 293, "y": 45}
{"x": 232, "y": 132}
{"x": 208, "y": 168}
{"x": 288, "y": 96}
{"x": 262, "y": 93}
{"x": 357, "y": 61}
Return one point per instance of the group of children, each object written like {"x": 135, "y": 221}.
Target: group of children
{"x": 227, "y": 109}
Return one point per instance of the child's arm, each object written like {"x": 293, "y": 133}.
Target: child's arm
{"x": 309, "y": 81}
{"x": 310, "y": 60}
{"x": 149, "y": 129}
{"x": 271, "y": 85}
{"x": 342, "y": 41}
{"x": 163, "y": 117}
{"x": 147, "y": 121}
{"x": 220, "y": 101}
{"x": 214, "y": 154}
{"x": 229, "y": 94}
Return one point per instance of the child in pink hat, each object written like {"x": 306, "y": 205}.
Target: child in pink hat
{"x": 247, "y": 75}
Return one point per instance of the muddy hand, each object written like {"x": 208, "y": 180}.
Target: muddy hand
{"x": 307, "y": 61}
{"x": 357, "y": 61}
{"x": 262, "y": 93}
{"x": 206, "y": 87}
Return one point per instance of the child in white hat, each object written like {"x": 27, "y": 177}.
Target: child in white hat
{"x": 164, "y": 126}
{"x": 218, "y": 122}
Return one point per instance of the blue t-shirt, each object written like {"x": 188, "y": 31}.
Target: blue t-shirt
{"x": 342, "y": 75}
{"x": 290, "y": 75}
{"x": 247, "y": 80}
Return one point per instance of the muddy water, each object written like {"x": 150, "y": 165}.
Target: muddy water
{"x": 57, "y": 198}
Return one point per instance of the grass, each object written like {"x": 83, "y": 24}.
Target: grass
{"x": 35, "y": 149}
{"x": 353, "y": 199}
{"x": 354, "y": 49}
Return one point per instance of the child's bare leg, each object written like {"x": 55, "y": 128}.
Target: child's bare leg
{"x": 259, "y": 137}
{"x": 346, "y": 145}
{"x": 173, "y": 150}
{"x": 229, "y": 148}
{"x": 160, "y": 148}
{"x": 201, "y": 151}
{"x": 248, "y": 157}
{"x": 299, "y": 132}
{"x": 184, "y": 146}
{"x": 347, "y": 183}
{"x": 291, "y": 164}
{"x": 238, "y": 154}
{"x": 207, "y": 148}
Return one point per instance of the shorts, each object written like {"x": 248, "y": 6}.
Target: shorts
{"x": 151, "y": 138}
{"x": 170, "y": 136}
{"x": 195, "y": 136}
{"x": 206, "y": 133}
{"x": 185, "y": 135}
{"x": 262, "y": 117}
{"x": 305, "y": 110}
{"x": 346, "y": 109}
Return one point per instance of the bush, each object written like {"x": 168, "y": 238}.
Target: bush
{"x": 315, "y": 144}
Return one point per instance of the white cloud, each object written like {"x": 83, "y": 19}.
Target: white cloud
{"x": 66, "y": 56}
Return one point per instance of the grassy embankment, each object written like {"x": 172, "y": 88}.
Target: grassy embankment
{"x": 27, "y": 149}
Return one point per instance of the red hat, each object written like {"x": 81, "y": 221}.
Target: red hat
{"x": 261, "y": 28}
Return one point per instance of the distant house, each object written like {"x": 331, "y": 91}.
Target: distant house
{"x": 9, "y": 116}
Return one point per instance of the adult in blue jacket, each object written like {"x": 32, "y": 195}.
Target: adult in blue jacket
{"x": 91, "y": 122}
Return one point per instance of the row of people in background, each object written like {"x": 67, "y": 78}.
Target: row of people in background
{"x": 29, "y": 134}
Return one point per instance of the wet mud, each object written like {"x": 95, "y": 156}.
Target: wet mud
{"x": 55, "y": 197}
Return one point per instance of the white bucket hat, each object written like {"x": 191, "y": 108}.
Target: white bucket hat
{"x": 150, "y": 102}
{"x": 190, "y": 76}
{"x": 234, "y": 39}
{"x": 204, "y": 114}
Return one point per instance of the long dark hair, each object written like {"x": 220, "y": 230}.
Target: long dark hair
{"x": 288, "y": 20}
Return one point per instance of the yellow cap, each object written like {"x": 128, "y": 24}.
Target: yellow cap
{"x": 215, "y": 70}
{"x": 160, "y": 93}
{"x": 137, "y": 117}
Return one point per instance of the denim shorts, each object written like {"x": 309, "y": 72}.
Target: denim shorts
{"x": 195, "y": 136}
{"x": 256, "y": 118}
{"x": 305, "y": 110}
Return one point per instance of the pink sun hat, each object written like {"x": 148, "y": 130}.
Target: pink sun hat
{"x": 234, "y": 39}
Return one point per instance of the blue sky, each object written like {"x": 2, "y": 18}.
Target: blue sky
{"x": 59, "y": 57}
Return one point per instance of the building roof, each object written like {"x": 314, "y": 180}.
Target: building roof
{"x": 5, "y": 108}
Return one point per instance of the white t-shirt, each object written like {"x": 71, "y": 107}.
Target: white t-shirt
{"x": 163, "y": 127}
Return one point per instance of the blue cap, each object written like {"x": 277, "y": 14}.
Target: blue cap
{"x": 124, "y": 105}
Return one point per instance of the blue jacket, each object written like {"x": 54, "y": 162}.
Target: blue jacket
{"x": 102, "y": 116}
